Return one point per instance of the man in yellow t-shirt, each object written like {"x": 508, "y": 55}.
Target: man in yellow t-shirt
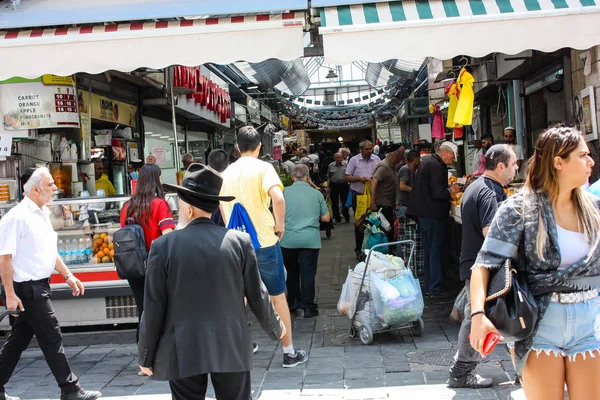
{"x": 254, "y": 183}
{"x": 103, "y": 182}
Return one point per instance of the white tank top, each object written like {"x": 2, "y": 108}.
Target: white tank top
{"x": 573, "y": 247}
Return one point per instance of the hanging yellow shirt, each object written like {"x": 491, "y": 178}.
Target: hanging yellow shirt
{"x": 452, "y": 92}
{"x": 464, "y": 108}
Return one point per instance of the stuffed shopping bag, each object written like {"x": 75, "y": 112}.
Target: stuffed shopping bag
{"x": 363, "y": 202}
{"x": 240, "y": 221}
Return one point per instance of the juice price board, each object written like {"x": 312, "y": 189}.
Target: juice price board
{"x": 38, "y": 103}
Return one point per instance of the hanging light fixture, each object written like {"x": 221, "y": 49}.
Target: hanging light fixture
{"x": 331, "y": 74}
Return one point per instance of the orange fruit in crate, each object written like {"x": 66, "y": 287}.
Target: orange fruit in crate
{"x": 98, "y": 242}
{"x": 112, "y": 254}
{"x": 111, "y": 246}
{"x": 103, "y": 235}
{"x": 105, "y": 259}
{"x": 100, "y": 254}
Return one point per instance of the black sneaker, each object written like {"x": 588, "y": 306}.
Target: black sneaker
{"x": 472, "y": 380}
{"x": 4, "y": 396}
{"x": 293, "y": 360}
{"x": 254, "y": 348}
{"x": 311, "y": 312}
{"x": 81, "y": 394}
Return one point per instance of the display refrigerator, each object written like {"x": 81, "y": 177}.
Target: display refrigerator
{"x": 84, "y": 228}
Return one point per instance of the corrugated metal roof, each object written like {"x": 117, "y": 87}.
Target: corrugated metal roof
{"x": 39, "y": 13}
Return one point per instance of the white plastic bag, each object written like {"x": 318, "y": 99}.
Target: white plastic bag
{"x": 347, "y": 302}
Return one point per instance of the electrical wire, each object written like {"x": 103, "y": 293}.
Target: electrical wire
{"x": 501, "y": 102}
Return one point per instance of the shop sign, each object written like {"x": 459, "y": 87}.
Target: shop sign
{"x": 5, "y": 144}
{"x": 204, "y": 91}
{"x": 105, "y": 109}
{"x": 46, "y": 102}
{"x": 585, "y": 113}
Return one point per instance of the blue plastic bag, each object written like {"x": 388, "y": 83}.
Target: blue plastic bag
{"x": 240, "y": 221}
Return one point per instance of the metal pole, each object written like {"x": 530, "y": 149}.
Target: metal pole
{"x": 174, "y": 117}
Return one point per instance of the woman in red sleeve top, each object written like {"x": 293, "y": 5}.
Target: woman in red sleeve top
{"x": 148, "y": 208}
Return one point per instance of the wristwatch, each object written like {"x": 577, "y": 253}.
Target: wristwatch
{"x": 68, "y": 276}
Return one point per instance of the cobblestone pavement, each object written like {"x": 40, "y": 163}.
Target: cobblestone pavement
{"x": 396, "y": 366}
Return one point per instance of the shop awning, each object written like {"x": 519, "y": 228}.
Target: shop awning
{"x": 125, "y": 47}
{"x": 415, "y": 29}
{"x": 39, "y": 13}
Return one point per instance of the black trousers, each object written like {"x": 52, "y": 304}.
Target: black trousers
{"x": 38, "y": 319}
{"x": 301, "y": 267}
{"x": 339, "y": 193}
{"x": 228, "y": 386}
{"x": 137, "y": 287}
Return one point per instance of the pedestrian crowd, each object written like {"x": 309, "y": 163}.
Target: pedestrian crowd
{"x": 242, "y": 239}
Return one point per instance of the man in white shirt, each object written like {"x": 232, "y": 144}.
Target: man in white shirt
{"x": 510, "y": 138}
{"x": 28, "y": 256}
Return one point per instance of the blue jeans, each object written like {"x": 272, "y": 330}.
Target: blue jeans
{"x": 272, "y": 271}
{"x": 433, "y": 232}
{"x": 301, "y": 266}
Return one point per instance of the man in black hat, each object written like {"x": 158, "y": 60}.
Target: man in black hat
{"x": 194, "y": 320}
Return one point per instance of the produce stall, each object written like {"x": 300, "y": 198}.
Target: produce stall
{"x": 464, "y": 182}
{"x": 84, "y": 228}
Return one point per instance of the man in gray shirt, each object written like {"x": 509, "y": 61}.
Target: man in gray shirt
{"x": 406, "y": 175}
{"x": 407, "y": 227}
{"x": 338, "y": 187}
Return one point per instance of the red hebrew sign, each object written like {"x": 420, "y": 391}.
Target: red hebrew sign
{"x": 206, "y": 93}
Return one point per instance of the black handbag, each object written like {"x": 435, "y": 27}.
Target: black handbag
{"x": 510, "y": 305}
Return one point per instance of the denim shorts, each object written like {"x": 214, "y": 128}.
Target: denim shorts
{"x": 567, "y": 330}
{"x": 271, "y": 268}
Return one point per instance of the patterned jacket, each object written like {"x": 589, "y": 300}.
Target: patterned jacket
{"x": 513, "y": 234}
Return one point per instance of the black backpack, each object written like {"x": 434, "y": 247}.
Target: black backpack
{"x": 130, "y": 252}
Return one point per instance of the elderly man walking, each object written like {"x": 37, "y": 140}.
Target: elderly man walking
{"x": 194, "y": 320}
{"x": 430, "y": 203}
{"x": 359, "y": 171}
{"x": 338, "y": 188}
{"x": 304, "y": 208}
{"x": 384, "y": 186}
{"x": 28, "y": 256}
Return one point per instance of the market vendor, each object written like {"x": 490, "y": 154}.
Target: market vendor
{"x": 103, "y": 182}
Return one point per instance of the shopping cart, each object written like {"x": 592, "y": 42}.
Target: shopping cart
{"x": 365, "y": 323}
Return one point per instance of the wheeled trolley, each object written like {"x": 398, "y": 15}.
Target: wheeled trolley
{"x": 365, "y": 322}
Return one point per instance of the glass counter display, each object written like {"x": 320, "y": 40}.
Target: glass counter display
{"x": 84, "y": 228}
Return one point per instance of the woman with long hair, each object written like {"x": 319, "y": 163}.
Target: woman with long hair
{"x": 148, "y": 208}
{"x": 550, "y": 231}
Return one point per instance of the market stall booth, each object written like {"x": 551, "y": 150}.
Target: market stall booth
{"x": 105, "y": 122}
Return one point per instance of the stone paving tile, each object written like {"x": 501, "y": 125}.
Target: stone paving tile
{"x": 340, "y": 367}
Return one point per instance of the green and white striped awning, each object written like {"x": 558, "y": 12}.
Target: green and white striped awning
{"x": 414, "y": 29}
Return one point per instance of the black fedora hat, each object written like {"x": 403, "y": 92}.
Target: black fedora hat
{"x": 201, "y": 182}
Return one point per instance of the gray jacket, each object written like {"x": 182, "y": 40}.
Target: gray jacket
{"x": 513, "y": 234}
{"x": 194, "y": 319}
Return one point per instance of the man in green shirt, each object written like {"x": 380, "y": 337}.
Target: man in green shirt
{"x": 301, "y": 242}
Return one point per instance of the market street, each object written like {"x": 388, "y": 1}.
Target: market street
{"x": 395, "y": 366}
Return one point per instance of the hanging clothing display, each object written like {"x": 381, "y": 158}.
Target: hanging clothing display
{"x": 464, "y": 109}
{"x": 437, "y": 130}
{"x": 452, "y": 92}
